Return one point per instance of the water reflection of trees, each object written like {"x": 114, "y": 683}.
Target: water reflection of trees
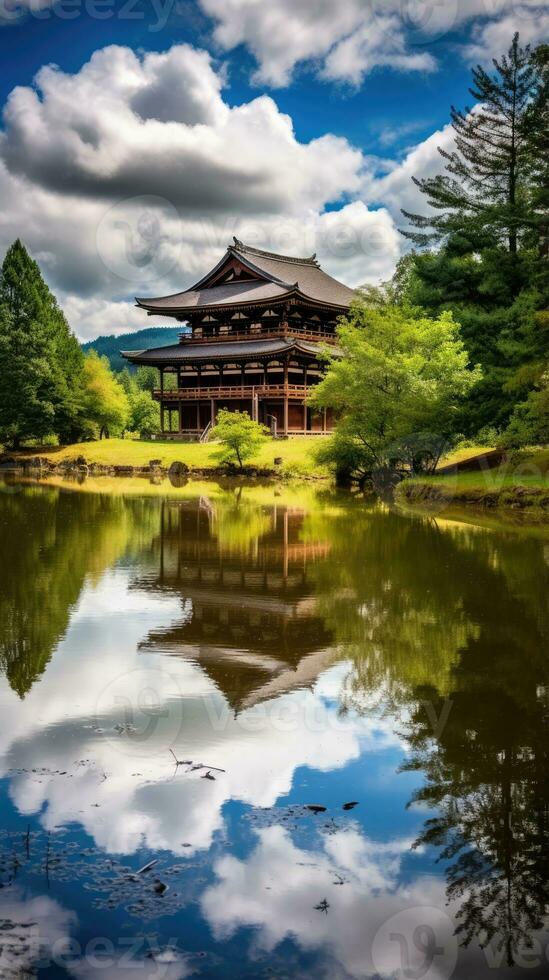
{"x": 456, "y": 619}
{"x": 429, "y": 612}
{"x": 52, "y": 543}
{"x": 388, "y": 592}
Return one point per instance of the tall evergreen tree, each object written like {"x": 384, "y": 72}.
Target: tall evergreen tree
{"x": 489, "y": 217}
{"x": 537, "y": 131}
{"x": 42, "y": 364}
{"x": 484, "y": 191}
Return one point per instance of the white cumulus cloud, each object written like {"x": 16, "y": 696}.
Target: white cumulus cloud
{"x": 130, "y": 176}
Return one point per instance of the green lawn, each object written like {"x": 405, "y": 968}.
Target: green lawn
{"x": 458, "y": 455}
{"x": 521, "y": 481}
{"x": 297, "y": 454}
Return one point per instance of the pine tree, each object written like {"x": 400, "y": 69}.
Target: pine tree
{"x": 537, "y": 131}
{"x": 26, "y": 378}
{"x": 490, "y": 219}
{"x": 484, "y": 193}
{"x": 42, "y": 364}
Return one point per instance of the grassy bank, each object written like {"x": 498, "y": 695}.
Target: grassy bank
{"x": 521, "y": 482}
{"x": 297, "y": 454}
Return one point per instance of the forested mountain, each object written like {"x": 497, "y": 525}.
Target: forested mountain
{"x": 110, "y": 346}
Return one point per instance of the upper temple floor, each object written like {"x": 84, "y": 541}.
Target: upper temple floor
{"x": 252, "y": 293}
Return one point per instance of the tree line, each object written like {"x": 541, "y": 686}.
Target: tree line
{"x": 457, "y": 343}
{"x": 48, "y": 386}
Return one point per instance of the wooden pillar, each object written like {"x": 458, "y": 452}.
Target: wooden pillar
{"x": 305, "y": 398}
{"x": 180, "y": 413}
{"x": 324, "y": 420}
{"x": 286, "y": 542}
{"x": 212, "y": 410}
{"x": 286, "y": 397}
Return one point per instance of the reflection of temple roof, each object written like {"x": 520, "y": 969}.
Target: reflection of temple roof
{"x": 253, "y": 624}
{"x": 247, "y": 678}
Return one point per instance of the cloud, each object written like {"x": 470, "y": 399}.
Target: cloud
{"x": 347, "y": 43}
{"x": 343, "y": 44}
{"x": 130, "y": 177}
{"x": 379, "y": 45}
{"x": 396, "y": 189}
{"x": 95, "y": 316}
{"x": 121, "y": 125}
{"x": 491, "y": 39}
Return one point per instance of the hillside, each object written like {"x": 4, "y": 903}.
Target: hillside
{"x": 110, "y": 346}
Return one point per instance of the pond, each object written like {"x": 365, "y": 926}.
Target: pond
{"x": 269, "y": 732}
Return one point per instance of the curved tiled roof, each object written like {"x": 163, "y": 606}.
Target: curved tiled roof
{"x": 278, "y": 276}
{"x": 225, "y": 294}
{"x": 227, "y": 350}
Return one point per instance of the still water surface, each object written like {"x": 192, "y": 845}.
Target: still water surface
{"x": 325, "y": 722}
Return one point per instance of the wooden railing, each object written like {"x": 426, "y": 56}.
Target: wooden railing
{"x": 280, "y": 331}
{"x": 235, "y": 391}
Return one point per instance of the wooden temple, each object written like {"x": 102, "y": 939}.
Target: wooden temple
{"x": 255, "y": 325}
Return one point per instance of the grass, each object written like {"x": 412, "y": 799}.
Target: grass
{"x": 522, "y": 481}
{"x": 297, "y": 454}
{"x": 459, "y": 455}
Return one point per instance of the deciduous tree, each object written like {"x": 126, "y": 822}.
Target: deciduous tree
{"x": 106, "y": 404}
{"x": 240, "y": 435}
{"x": 395, "y": 384}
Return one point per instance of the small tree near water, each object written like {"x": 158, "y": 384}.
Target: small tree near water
{"x": 106, "y": 404}
{"x": 240, "y": 435}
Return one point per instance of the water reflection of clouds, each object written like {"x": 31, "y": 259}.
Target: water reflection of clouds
{"x": 127, "y": 794}
{"x": 32, "y": 929}
{"x": 38, "y": 933}
{"x": 279, "y": 887}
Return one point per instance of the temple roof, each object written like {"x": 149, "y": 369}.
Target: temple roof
{"x": 266, "y": 276}
{"x": 227, "y": 350}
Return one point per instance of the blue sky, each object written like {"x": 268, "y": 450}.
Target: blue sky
{"x": 295, "y": 123}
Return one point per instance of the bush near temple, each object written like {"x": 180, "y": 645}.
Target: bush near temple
{"x": 240, "y": 435}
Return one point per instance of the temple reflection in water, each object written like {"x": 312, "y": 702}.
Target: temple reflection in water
{"x": 249, "y": 615}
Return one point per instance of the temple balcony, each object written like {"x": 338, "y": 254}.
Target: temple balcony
{"x": 235, "y": 392}
{"x": 255, "y": 332}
